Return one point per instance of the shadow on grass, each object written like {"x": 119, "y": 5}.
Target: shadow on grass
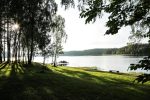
{"x": 34, "y": 83}
{"x": 87, "y": 76}
{"x": 3, "y": 65}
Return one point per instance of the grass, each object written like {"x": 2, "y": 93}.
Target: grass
{"x": 20, "y": 82}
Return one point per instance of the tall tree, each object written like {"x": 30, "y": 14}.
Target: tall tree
{"x": 58, "y": 37}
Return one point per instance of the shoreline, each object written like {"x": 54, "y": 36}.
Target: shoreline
{"x": 94, "y": 69}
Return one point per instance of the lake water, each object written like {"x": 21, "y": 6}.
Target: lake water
{"x": 106, "y": 63}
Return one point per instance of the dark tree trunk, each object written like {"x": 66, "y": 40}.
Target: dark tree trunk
{"x": 16, "y": 55}
{"x": 32, "y": 49}
{"x": 19, "y": 46}
{"x": 1, "y": 45}
{"x": 8, "y": 42}
{"x": 55, "y": 57}
{"x": 23, "y": 54}
{"x": 31, "y": 52}
{"x": 28, "y": 54}
{"x": 4, "y": 45}
{"x": 15, "y": 46}
{"x": 32, "y": 39}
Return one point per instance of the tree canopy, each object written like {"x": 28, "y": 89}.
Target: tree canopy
{"x": 135, "y": 13}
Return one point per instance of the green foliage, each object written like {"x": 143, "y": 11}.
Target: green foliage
{"x": 68, "y": 3}
{"x": 94, "y": 10}
{"x": 143, "y": 78}
{"x": 144, "y": 65}
{"x": 122, "y": 13}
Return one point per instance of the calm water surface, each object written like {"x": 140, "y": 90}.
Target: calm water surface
{"x": 112, "y": 62}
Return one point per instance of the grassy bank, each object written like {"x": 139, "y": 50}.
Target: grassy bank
{"x": 19, "y": 82}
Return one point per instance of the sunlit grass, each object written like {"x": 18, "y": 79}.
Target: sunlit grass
{"x": 29, "y": 82}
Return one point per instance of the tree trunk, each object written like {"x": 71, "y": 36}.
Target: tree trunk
{"x": 28, "y": 54}
{"x": 1, "y": 45}
{"x": 32, "y": 38}
{"x": 15, "y": 46}
{"x": 19, "y": 46}
{"x": 4, "y": 47}
{"x": 4, "y": 44}
{"x": 23, "y": 54}
{"x": 32, "y": 49}
{"x": 8, "y": 42}
{"x": 55, "y": 57}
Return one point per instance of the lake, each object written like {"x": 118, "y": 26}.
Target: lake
{"x": 106, "y": 63}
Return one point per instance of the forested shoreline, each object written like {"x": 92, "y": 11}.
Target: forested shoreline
{"x": 132, "y": 49}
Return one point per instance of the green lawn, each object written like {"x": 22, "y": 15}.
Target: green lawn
{"x": 19, "y": 82}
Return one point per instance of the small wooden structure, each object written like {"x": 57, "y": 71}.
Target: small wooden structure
{"x": 63, "y": 63}
{"x": 114, "y": 71}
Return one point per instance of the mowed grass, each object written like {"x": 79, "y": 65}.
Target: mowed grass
{"x": 35, "y": 82}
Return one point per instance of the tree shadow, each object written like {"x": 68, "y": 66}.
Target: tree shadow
{"x": 3, "y": 65}
{"x": 111, "y": 85}
{"x": 28, "y": 83}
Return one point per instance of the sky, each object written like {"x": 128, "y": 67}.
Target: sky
{"x": 83, "y": 36}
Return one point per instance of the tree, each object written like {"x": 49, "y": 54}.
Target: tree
{"x": 58, "y": 37}
{"x": 36, "y": 23}
{"x": 44, "y": 45}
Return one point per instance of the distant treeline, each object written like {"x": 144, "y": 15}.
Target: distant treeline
{"x": 134, "y": 49}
